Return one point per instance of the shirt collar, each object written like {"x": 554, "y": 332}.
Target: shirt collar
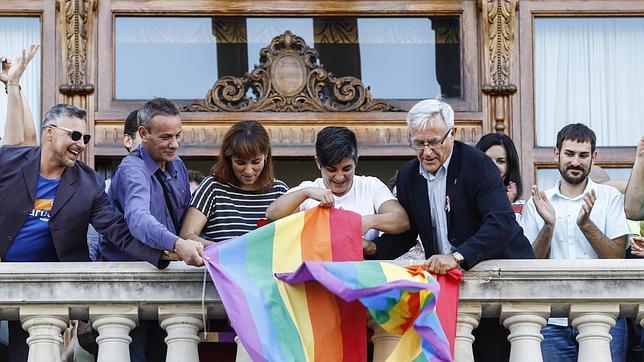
{"x": 442, "y": 171}
{"x": 589, "y": 186}
{"x": 151, "y": 166}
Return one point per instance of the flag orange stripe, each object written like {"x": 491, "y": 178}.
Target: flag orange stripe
{"x": 316, "y": 238}
{"x": 325, "y": 322}
{"x": 316, "y": 246}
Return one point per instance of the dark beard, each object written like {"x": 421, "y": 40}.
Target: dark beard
{"x": 574, "y": 180}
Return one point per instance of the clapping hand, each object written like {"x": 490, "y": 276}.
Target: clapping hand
{"x": 543, "y": 206}
{"x": 512, "y": 191}
{"x": 586, "y": 207}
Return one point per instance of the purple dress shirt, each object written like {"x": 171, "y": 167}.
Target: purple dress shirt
{"x": 138, "y": 194}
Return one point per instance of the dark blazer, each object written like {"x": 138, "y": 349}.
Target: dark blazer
{"x": 80, "y": 201}
{"x": 480, "y": 222}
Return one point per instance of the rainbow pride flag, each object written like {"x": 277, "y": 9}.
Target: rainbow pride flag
{"x": 276, "y": 321}
{"x": 401, "y": 300}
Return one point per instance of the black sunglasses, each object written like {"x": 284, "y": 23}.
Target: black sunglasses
{"x": 75, "y": 135}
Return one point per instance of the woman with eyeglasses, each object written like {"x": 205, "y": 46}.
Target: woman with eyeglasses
{"x": 19, "y": 128}
{"x": 234, "y": 197}
{"x": 336, "y": 156}
{"x": 500, "y": 148}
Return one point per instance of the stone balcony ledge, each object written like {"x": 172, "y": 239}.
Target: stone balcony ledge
{"x": 522, "y": 294}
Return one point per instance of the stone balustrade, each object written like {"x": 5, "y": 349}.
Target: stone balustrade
{"x": 522, "y": 294}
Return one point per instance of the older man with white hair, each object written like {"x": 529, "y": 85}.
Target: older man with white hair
{"x": 457, "y": 203}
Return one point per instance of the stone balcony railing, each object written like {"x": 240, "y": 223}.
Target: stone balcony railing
{"x": 114, "y": 296}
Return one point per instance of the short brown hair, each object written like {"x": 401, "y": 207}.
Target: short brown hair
{"x": 245, "y": 140}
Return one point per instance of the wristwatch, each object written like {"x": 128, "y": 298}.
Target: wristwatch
{"x": 458, "y": 257}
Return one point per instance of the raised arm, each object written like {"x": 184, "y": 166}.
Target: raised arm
{"x": 289, "y": 203}
{"x": 19, "y": 125}
{"x": 634, "y": 198}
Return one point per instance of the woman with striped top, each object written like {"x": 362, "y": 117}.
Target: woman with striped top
{"x": 230, "y": 201}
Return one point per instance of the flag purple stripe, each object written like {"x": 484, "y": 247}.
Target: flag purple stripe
{"x": 235, "y": 298}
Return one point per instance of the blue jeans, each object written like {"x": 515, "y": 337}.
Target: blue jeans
{"x": 560, "y": 344}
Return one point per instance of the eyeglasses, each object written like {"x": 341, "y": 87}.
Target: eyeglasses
{"x": 433, "y": 144}
{"x": 75, "y": 135}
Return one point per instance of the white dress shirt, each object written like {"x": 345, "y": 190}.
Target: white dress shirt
{"x": 438, "y": 202}
{"x": 568, "y": 242}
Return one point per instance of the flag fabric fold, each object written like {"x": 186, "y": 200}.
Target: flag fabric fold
{"x": 401, "y": 300}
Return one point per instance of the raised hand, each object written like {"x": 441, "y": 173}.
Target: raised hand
{"x": 11, "y": 73}
{"x": 586, "y": 207}
{"x": 543, "y": 206}
{"x": 512, "y": 191}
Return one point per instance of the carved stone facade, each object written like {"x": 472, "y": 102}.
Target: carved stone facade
{"x": 289, "y": 79}
{"x": 77, "y": 18}
{"x": 499, "y": 25}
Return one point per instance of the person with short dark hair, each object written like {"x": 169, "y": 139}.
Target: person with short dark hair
{"x": 131, "y": 138}
{"x": 501, "y": 150}
{"x": 233, "y": 198}
{"x": 576, "y": 219}
{"x": 336, "y": 156}
{"x": 194, "y": 178}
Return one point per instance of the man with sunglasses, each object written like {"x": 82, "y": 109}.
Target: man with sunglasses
{"x": 49, "y": 198}
{"x": 456, "y": 202}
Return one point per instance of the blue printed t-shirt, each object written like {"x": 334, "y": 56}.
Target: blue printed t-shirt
{"x": 34, "y": 242}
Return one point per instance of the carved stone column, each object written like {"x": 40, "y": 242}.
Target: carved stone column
{"x": 594, "y": 321}
{"x": 183, "y": 325}
{"x": 384, "y": 342}
{"x": 77, "y": 24}
{"x": 525, "y": 322}
{"x": 242, "y": 353}
{"x": 468, "y": 318}
{"x": 499, "y": 23}
{"x": 113, "y": 324}
{"x": 45, "y": 325}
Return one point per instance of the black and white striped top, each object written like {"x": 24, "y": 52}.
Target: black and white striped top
{"x": 231, "y": 211}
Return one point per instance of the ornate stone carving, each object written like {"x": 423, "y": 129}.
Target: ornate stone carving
{"x": 498, "y": 30}
{"x": 499, "y": 23}
{"x": 288, "y": 79}
{"x": 76, "y": 17}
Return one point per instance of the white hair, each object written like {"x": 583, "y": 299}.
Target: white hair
{"x": 422, "y": 112}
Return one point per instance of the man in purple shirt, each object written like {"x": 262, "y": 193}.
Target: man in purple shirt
{"x": 151, "y": 188}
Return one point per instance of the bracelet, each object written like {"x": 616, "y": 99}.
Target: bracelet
{"x": 6, "y": 86}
